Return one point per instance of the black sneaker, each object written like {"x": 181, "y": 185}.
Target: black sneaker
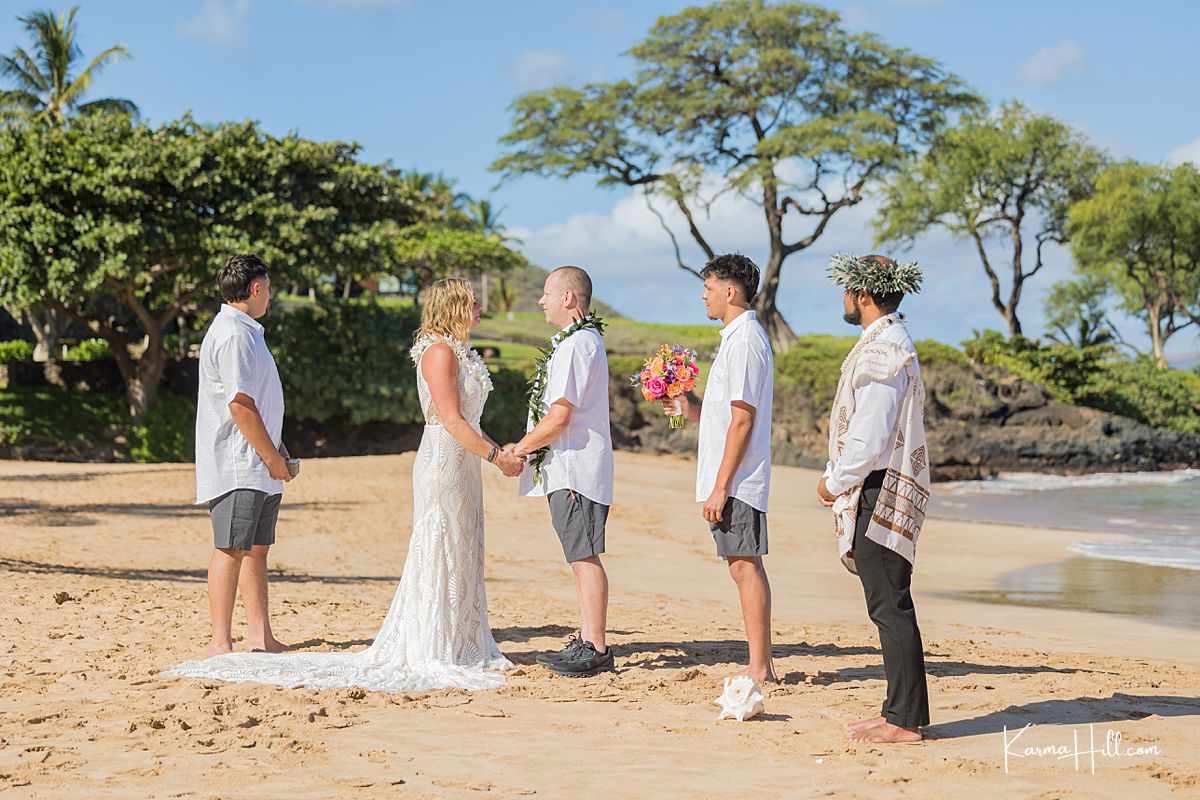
{"x": 583, "y": 662}
{"x": 546, "y": 659}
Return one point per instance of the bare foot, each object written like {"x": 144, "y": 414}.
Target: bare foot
{"x": 764, "y": 676}
{"x": 887, "y": 733}
{"x": 218, "y": 648}
{"x": 864, "y": 724}
{"x": 272, "y": 645}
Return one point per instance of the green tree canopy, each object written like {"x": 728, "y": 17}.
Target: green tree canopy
{"x": 451, "y": 234}
{"x": 123, "y": 227}
{"x": 1006, "y": 176}
{"x": 1140, "y": 230}
{"x": 773, "y": 100}
{"x": 45, "y": 84}
{"x": 1076, "y": 313}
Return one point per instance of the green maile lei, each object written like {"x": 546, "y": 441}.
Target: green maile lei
{"x": 537, "y": 383}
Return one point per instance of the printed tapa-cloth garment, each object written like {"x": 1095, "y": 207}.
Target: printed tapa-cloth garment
{"x": 900, "y": 511}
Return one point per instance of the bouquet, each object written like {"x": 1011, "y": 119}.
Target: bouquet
{"x": 668, "y": 373}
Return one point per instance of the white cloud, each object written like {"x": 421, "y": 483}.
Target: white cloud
{"x": 221, "y": 23}
{"x": 1051, "y": 64}
{"x": 1185, "y": 152}
{"x": 857, "y": 17}
{"x": 633, "y": 265}
{"x": 537, "y": 69}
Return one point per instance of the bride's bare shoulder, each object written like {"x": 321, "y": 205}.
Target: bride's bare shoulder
{"x": 439, "y": 360}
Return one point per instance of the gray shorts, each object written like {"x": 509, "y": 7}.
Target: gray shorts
{"x": 742, "y": 530}
{"x": 243, "y": 518}
{"x": 579, "y": 523}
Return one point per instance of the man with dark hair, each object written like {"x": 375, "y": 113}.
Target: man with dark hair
{"x": 733, "y": 464}
{"x": 737, "y": 269}
{"x": 877, "y": 480}
{"x": 241, "y": 462}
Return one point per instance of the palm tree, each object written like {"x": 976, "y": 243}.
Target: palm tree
{"x": 486, "y": 218}
{"x": 45, "y": 88}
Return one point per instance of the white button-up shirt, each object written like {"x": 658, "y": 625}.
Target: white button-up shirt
{"x": 871, "y": 436}
{"x": 581, "y": 458}
{"x": 744, "y": 369}
{"x": 234, "y": 359}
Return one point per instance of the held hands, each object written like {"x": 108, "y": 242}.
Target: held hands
{"x": 826, "y": 497}
{"x": 510, "y": 461}
{"x": 714, "y": 507}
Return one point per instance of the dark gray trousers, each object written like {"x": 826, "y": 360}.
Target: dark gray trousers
{"x": 886, "y": 579}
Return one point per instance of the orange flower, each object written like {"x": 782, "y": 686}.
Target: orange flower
{"x": 689, "y": 384}
{"x": 674, "y": 390}
{"x": 649, "y": 397}
{"x": 657, "y": 365}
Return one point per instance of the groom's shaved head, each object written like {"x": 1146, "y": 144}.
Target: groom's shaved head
{"x": 575, "y": 280}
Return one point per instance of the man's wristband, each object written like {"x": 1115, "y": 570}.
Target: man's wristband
{"x": 492, "y": 455}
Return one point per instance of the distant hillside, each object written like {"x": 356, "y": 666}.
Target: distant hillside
{"x": 527, "y": 285}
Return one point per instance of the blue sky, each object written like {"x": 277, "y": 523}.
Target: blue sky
{"x": 427, "y": 85}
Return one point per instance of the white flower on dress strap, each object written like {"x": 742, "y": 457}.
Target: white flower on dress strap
{"x": 468, "y": 359}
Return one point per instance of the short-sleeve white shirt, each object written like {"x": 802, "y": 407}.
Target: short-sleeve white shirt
{"x": 581, "y": 458}
{"x": 234, "y": 359}
{"x": 743, "y": 370}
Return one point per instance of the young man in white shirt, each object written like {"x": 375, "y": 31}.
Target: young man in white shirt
{"x": 241, "y": 462}
{"x": 576, "y": 472}
{"x": 733, "y": 464}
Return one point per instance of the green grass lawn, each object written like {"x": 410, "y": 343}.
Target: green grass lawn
{"x": 622, "y": 336}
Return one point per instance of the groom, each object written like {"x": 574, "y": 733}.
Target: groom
{"x": 570, "y": 457}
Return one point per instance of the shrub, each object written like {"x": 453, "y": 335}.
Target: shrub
{"x": 88, "y": 350}
{"x": 506, "y": 410}
{"x": 814, "y": 364}
{"x": 934, "y": 353}
{"x": 346, "y": 360}
{"x": 16, "y": 350}
{"x": 1095, "y": 377}
{"x": 167, "y": 432}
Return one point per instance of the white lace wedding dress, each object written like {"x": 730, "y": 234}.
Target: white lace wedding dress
{"x": 436, "y": 633}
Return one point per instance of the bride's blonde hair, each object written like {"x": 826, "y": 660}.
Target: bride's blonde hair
{"x": 447, "y": 309}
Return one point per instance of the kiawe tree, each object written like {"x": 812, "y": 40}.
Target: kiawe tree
{"x": 773, "y": 100}
{"x": 1007, "y": 177}
{"x": 1140, "y": 230}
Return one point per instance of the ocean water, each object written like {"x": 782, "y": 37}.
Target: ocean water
{"x": 1150, "y": 518}
{"x": 1138, "y": 551}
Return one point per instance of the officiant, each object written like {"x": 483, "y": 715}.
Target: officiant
{"x": 877, "y": 479}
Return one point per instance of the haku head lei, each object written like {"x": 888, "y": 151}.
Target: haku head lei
{"x": 874, "y": 276}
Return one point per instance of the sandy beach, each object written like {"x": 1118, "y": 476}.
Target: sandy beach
{"x": 102, "y": 571}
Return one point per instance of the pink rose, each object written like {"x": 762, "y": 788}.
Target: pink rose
{"x": 695, "y": 369}
{"x": 656, "y": 386}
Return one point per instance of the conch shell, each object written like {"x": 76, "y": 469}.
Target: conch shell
{"x": 740, "y": 699}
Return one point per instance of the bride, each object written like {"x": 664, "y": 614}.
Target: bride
{"x": 436, "y": 632}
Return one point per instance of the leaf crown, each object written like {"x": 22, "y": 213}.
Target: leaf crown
{"x": 874, "y": 277}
